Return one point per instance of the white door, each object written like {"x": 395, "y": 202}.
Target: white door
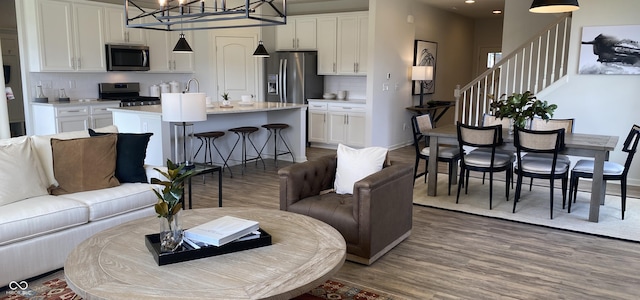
{"x": 237, "y": 71}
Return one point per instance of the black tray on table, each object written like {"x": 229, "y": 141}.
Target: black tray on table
{"x": 185, "y": 253}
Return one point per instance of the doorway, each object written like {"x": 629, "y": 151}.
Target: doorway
{"x": 236, "y": 67}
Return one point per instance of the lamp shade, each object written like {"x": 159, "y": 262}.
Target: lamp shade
{"x": 553, "y": 6}
{"x": 182, "y": 46}
{"x": 179, "y": 107}
{"x": 422, "y": 73}
{"x": 260, "y": 51}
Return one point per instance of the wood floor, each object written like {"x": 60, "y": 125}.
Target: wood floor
{"x": 452, "y": 255}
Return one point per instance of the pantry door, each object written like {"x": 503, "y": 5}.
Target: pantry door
{"x": 237, "y": 72}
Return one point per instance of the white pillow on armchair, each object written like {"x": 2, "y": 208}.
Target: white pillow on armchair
{"x": 356, "y": 164}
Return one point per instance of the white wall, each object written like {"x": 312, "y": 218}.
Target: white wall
{"x": 600, "y": 104}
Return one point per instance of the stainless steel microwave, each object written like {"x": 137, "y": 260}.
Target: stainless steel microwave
{"x": 127, "y": 57}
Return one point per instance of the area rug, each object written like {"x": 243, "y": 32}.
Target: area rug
{"x": 533, "y": 207}
{"x": 54, "y": 287}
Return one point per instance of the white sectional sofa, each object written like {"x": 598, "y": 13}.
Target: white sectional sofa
{"x": 38, "y": 230}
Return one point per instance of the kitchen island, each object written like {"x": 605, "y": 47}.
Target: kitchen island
{"x": 140, "y": 119}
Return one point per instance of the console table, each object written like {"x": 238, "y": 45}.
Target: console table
{"x": 433, "y": 108}
{"x": 116, "y": 264}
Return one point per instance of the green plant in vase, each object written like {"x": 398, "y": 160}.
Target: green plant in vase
{"x": 225, "y": 99}
{"x": 169, "y": 204}
{"x": 521, "y": 107}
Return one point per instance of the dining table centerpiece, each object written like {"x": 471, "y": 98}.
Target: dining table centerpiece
{"x": 520, "y": 108}
{"x": 169, "y": 204}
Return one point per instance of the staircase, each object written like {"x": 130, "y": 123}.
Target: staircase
{"x": 533, "y": 66}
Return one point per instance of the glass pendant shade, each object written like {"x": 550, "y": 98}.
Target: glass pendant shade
{"x": 260, "y": 51}
{"x": 182, "y": 46}
{"x": 553, "y": 6}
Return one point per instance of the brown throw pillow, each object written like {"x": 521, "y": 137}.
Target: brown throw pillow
{"x": 84, "y": 164}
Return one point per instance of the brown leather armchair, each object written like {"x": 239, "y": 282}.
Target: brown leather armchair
{"x": 373, "y": 220}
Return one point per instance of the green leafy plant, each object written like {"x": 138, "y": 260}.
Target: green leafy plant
{"x": 521, "y": 107}
{"x": 168, "y": 204}
{"x": 225, "y": 96}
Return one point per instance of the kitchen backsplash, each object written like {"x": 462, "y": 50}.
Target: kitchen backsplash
{"x": 356, "y": 86}
{"x": 85, "y": 85}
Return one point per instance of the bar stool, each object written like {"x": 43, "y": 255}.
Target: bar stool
{"x": 244, "y": 133}
{"x": 207, "y": 139}
{"x": 275, "y": 129}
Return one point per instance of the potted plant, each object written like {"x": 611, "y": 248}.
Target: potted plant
{"x": 169, "y": 204}
{"x": 521, "y": 107}
{"x": 225, "y": 99}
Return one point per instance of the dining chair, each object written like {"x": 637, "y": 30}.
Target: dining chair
{"x": 490, "y": 120}
{"x": 484, "y": 158}
{"x": 551, "y": 124}
{"x": 548, "y": 142}
{"x": 450, "y": 155}
{"x": 612, "y": 170}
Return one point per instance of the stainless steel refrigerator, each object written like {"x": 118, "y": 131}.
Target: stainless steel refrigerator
{"x": 292, "y": 77}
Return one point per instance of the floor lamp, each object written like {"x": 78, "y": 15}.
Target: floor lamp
{"x": 182, "y": 108}
{"x": 421, "y": 74}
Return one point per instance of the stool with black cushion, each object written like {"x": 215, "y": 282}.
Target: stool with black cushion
{"x": 275, "y": 130}
{"x": 244, "y": 134}
{"x": 208, "y": 139}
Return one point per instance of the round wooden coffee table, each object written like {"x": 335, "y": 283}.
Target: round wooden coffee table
{"x": 116, "y": 264}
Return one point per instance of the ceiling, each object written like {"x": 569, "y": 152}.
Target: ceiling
{"x": 477, "y": 10}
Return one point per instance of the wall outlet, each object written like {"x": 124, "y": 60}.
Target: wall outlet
{"x": 385, "y": 87}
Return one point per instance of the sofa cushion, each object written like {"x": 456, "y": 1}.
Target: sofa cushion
{"x": 42, "y": 145}
{"x": 331, "y": 208}
{"x": 84, "y": 164}
{"x": 131, "y": 152}
{"x": 22, "y": 176}
{"x": 113, "y": 201}
{"x": 355, "y": 164}
{"x": 39, "y": 216}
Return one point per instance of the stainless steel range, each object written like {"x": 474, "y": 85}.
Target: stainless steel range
{"x": 128, "y": 93}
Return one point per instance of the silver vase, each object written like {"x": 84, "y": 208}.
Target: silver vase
{"x": 171, "y": 233}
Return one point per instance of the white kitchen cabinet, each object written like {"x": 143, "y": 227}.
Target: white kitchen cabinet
{"x": 161, "y": 56}
{"x": 67, "y": 37}
{"x": 327, "y": 45}
{"x": 116, "y": 30}
{"x": 52, "y": 118}
{"x": 352, "y": 43}
{"x": 337, "y": 123}
{"x": 317, "y": 129}
{"x": 298, "y": 34}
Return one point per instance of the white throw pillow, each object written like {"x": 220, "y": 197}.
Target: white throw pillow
{"x": 21, "y": 176}
{"x": 356, "y": 164}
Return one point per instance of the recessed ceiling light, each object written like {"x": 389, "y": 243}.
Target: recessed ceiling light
{"x": 496, "y": 12}
{"x": 469, "y": 1}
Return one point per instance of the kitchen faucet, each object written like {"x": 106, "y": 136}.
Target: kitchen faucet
{"x": 186, "y": 90}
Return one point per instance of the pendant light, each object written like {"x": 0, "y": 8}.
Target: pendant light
{"x": 554, "y": 6}
{"x": 182, "y": 46}
{"x": 260, "y": 51}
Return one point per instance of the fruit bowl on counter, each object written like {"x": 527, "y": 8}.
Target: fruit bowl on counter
{"x": 329, "y": 96}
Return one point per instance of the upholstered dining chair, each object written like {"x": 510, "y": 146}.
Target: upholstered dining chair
{"x": 450, "y": 155}
{"x": 548, "y": 142}
{"x": 551, "y": 124}
{"x": 612, "y": 170}
{"x": 491, "y": 120}
{"x": 487, "y": 160}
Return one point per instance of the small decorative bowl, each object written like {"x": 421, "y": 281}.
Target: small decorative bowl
{"x": 329, "y": 96}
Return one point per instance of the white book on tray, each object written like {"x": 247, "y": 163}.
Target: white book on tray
{"x": 222, "y": 230}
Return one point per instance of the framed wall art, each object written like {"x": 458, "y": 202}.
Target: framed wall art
{"x": 425, "y": 54}
{"x": 610, "y": 50}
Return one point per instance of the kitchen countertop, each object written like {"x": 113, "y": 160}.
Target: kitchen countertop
{"x": 216, "y": 109}
{"x": 354, "y": 101}
{"x": 76, "y": 102}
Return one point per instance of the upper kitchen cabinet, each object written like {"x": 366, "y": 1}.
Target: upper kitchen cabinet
{"x": 161, "y": 56}
{"x": 116, "y": 31}
{"x": 298, "y": 34}
{"x": 327, "y": 45}
{"x": 352, "y": 44}
{"x": 65, "y": 37}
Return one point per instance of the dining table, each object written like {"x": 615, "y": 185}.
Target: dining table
{"x": 576, "y": 144}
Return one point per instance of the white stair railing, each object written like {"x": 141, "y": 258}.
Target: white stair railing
{"x": 533, "y": 66}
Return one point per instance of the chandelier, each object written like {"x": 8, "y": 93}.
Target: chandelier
{"x": 180, "y": 15}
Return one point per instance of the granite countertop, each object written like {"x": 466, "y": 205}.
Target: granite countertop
{"x": 354, "y": 101}
{"x": 76, "y": 102}
{"x": 237, "y": 107}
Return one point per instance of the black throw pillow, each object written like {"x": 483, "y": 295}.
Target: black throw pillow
{"x": 131, "y": 150}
